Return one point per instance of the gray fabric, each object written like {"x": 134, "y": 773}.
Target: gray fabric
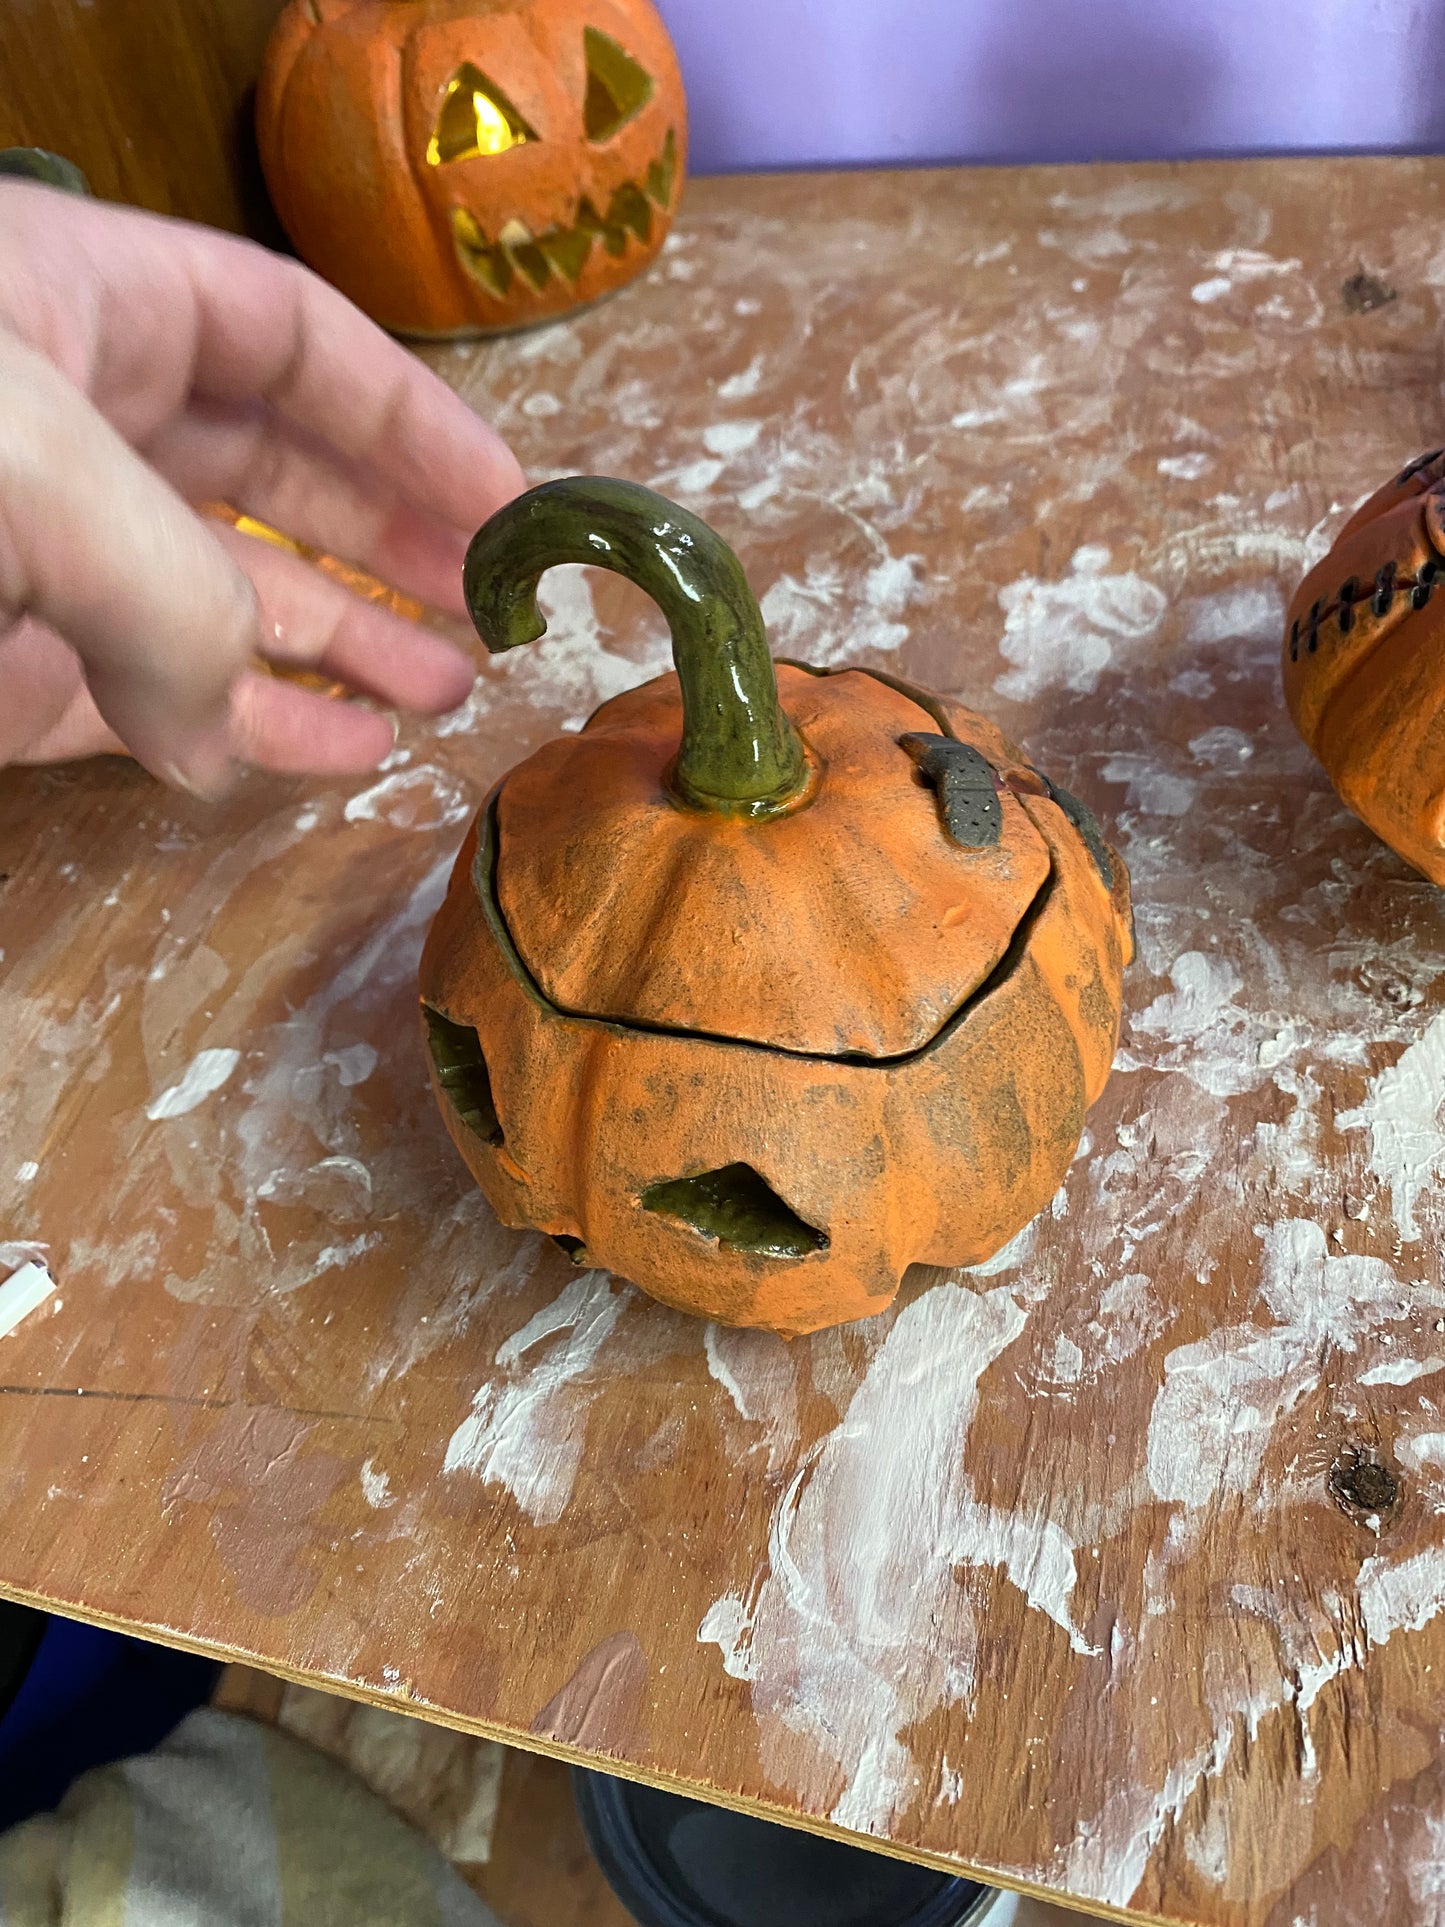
{"x": 203, "y": 1839}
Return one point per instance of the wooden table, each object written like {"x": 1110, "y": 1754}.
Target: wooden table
{"x": 1078, "y": 1571}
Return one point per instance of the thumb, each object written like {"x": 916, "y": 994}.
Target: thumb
{"x": 93, "y": 542}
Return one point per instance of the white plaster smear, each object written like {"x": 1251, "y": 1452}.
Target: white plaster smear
{"x": 1403, "y": 1597}
{"x": 1065, "y": 634}
{"x": 424, "y": 798}
{"x": 207, "y": 1071}
{"x": 376, "y": 1487}
{"x": 527, "y": 1432}
{"x": 1401, "y": 1371}
{"x": 755, "y": 1369}
{"x": 1222, "y": 1396}
{"x": 1401, "y": 1112}
{"x": 23, "y": 1292}
{"x": 860, "y": 1621}
{"x": 831, "y": 617}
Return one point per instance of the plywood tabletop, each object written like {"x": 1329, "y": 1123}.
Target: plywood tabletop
{"x": 1115, "y": 1570}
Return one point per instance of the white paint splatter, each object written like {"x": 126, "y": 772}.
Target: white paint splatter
{"x": 376, "y": 1487}
{"x": 1403, "y": 1597}
{"x": 756, "y": 1370}
{"x": 22, "y": 1293}
{"x": 825, "y": 619}
{"x": 1401, "y": 1371}
{"x": 207, "y": 1071}
{"x": 1063, "y": 635}
{"x": 738, "y": 387}
{"x": 424, "y": 798}
{"x": 527, "y": 1432}
{"x": 1222, "y": 1396}
{"x": 1201, "y": 1029}
{"x": 335, "y": 1257}
{"x": 859, "y": 1620}
{"x": 1249, "y": 612}
{"x": 1401, "y": 1112}
{"x": 730, "y": 438}
{"x": 695, "y": 478}
{"x": 1186, "y": 468}
{"x": 354, "y": 1064}
{"x": 1221, "y": 747}
{"x": 1155, "y": 791}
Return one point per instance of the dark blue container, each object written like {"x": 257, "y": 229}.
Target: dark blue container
{"x": 73, "y": 1697}
{"x": 675, "y": 1862}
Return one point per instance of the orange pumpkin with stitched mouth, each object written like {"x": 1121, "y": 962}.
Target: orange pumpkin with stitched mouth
{"x": 1362, "y": 654}
{"x": 767, "y": 984}
{"x": 467, "y": 166}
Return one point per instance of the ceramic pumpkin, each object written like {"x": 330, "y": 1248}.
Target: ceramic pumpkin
{"x": 464, "y": 166}
{"x": 767, "y": 984}
{"x": 1363, "y": 650}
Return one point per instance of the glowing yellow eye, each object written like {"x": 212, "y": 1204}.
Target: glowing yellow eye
{"x": 475, "y": 118}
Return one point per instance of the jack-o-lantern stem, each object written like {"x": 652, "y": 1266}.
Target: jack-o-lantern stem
{"x": 739, "y": 756}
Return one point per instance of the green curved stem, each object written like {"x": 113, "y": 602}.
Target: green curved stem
{"x": 39, "y": 164}
{"x": 739, "y": 756}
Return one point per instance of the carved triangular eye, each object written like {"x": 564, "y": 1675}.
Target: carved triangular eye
{"x": 476, "y": 118}
{"x": 616, "y": 86}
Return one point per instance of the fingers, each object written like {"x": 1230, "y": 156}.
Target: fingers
{"x": 308, "y": 621}
{"x": 96, "y": 546}
{"x": 268, "y": 329}
{"x": 151, "y": 316}
{"x": 47, "y": 715}
{"x": 250, "y": 457}
{"x": 279, "y": 728}
{"x": 165, "y": 619}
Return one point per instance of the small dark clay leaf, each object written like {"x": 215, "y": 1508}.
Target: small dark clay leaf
{"x": 962, "y": 779}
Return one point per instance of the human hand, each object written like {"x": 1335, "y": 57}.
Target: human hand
{"x": 146, "y": 364}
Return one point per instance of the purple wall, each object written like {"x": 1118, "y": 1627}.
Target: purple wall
{"x": 784, "y": 83}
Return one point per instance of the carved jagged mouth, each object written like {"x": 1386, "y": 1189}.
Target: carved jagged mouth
{"x": 519, "y": 254}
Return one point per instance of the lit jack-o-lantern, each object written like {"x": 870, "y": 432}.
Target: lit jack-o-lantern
{"x": 764, "y": 986}
{"x": 465, "y": 166}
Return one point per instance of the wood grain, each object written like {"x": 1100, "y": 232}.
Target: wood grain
{"x": 152, "y": 99}
{"x": 1067, "y": 1572}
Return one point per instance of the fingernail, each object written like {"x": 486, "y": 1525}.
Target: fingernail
{"x": 213, "y": 790}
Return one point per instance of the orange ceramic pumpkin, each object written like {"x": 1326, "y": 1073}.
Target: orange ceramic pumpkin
{"x": 760, "y": 989}
{"x": 1363, "y": 653}
{"x": 463, "y": 166}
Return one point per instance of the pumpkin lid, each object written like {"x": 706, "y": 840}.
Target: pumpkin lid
{"x": 825, "y": 863}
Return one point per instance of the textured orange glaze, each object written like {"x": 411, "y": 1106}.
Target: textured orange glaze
{"x": 349, "y": 103}
{"x": 1363, "y": 648}
{"x": 939, "y": 1154}
{"x": 836, "y": 921}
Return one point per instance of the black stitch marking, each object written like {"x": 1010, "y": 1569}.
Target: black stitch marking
{"x": 1384, "y": 590}
{"x": 1314, "y": 635}
{"x": 1347, "y": 605}
{"x": 1294, "y": 640}
{"x": 1420, "y": 461}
